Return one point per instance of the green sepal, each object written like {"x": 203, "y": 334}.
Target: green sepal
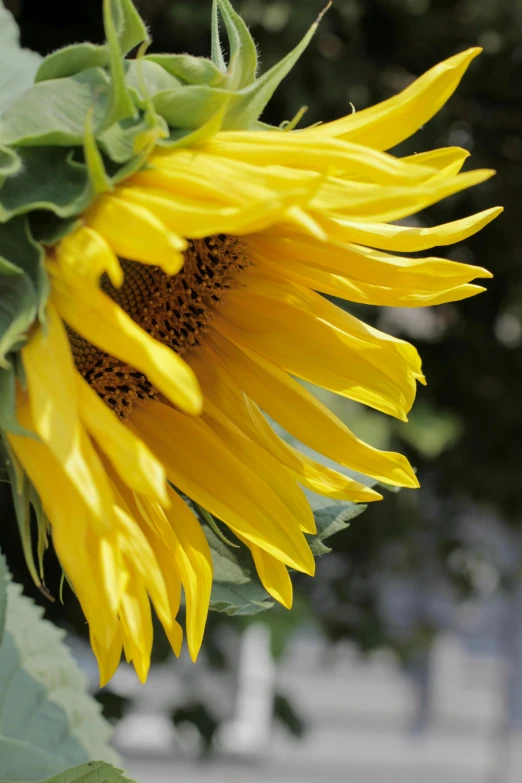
{"x": 188, "y": 69}
{"x": 252, "y": 100}
{"x": 54, "y": 112}
{"x": 242, "y": 66}
{"x": 72, "y": 60}
{"x": 8, "y": 421}
{"x": 23, "y": 283}
{"x": 191, "y": 107}
{"x": 121, "y": 104}
{"x": 130, "y": 27}
{"x": 10, "y": 163}
{"x": 50, "y": 179}
{"x": 130, "y": 31}
{"x": 215, "y": 46}
{"x": 17, "y": 66}
{"x": 48, "y": 228}
{"x": 22, "y": 492}
{"x": 145, "y": 78}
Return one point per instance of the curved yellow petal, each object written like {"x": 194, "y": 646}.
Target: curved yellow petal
{"x": 409, "y": 239}
{"x": 273, "y": 575}
{"x": 195, "y": 564}
{"x": 391, "y": 121}
{"x": 322, "y": 344}
{"x": 266, "y": 467}
{"x": 299, "y": 151}
{"x": 135, "y": 233}
{"x": 103, "y": 323}
{"x": 340, "y": 285}
{"x": 131, "y": 458}
{"x": 363, "y": 264}
{"x": 306, "y": 418}
{"x": 52, "y": 395}
{"x": 84, "y": 254}
{"x": 225, "y": 402}
{"x": 198, "y": 463}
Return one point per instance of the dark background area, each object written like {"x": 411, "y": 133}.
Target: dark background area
{"x": 465, "y": 434}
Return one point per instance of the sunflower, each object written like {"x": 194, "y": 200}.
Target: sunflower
{"x": 188, "y": 302}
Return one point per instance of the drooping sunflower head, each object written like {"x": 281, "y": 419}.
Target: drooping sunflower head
{"x": 177, "y": 259}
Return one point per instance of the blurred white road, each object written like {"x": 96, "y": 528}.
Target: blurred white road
{"x": 360, "y": 714}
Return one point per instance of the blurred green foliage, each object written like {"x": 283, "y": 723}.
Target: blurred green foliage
{"x": 464, "y": 435}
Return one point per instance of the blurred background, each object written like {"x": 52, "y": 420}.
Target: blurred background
{"x": 402, "y": 659}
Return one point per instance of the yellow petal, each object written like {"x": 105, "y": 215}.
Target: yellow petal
{"x": 161, "y": 545}
{"x": 311, "y": 338}
{"x": 273, "y": 575}
{"x": 136, "y": 623}
{"x": 390, "y": 122}
{"x": 307, "y": 419}
{"x": 194, "y": 561}
{"x": 131, "y": 458}
{"x": 225, "y": 402}
{"x": 340, "y": 285}
{"x": 364, "y": 265}
{"x": 197, "y": 463}
{"x": 385, "y": 205}
{"x": 408, "y": 239}
{"x": 300, "y": 151}
{"x": 135, "y": 233}
{"x": 54, "y": 415}
{"x": 85, "y": 254}
{"x": 447, "y": 159}
{"x": 107, "y": 655}
{"x": 103, "y": 323}
{"x": 266, "y": 467}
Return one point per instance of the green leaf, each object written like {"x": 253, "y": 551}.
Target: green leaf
{"x": 48, "y": 722}
{"x": 17, "y": 66}
{"x": 92, "y": 772}
{"x": 188, "y": 69}
{"x": 54, "y": 112}
{"x": 331, "y": 516}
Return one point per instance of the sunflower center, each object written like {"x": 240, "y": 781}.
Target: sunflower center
{"x": 175, "y": 310}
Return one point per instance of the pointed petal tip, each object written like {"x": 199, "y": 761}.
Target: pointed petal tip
{"x": 370, "y": 496}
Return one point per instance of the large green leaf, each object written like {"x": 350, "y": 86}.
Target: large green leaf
{"x": 236, "y": 589}
{"x": 92, "y": 772}
{"x": 17, "y": 66}
{"x": 48, "y": 722}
